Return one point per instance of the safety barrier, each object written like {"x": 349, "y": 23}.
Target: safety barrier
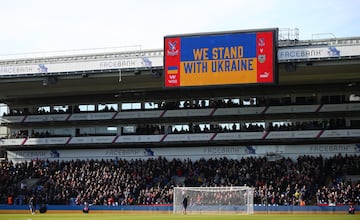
{"x": 168, "y": 208}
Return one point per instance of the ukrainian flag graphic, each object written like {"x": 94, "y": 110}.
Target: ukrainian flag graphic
{"x": 172, "y": 70}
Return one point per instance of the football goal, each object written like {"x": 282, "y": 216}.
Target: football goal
{"x": 236, "y": 199}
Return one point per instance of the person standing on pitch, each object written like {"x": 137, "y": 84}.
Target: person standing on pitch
{"x": 32, "y": 205}
{"x": 185, "y": 204}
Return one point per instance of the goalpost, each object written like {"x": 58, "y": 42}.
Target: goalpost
{"x": 236, "y": 199}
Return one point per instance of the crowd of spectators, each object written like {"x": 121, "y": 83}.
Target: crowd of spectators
{"x": 333, "y": 123}
{"x": 189, "y": 104}
{"x": 308, "y": 180}
{"x": 213, "y": 127}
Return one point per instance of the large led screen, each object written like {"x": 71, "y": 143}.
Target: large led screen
{"x": 223, "y": 58}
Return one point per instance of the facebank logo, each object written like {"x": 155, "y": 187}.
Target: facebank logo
{"x": 357, "y": 148}
{"x": 54, "y": 154}
{"x": 250, "y": 150}
{"x": 42, "y": 68}
{"x": 148, "y": 152}
{"x": 333, "y": 52}
{"x": 146, "y": 62}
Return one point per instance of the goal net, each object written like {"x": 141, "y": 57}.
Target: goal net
{"x": 238, "y": 199}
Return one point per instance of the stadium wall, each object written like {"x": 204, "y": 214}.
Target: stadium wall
{"x": 194, "y": 153}
{"x": 168, "y": 208}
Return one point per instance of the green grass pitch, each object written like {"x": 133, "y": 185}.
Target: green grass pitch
{"x": 153, "y": 216}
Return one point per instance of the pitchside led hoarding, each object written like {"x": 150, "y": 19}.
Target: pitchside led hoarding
{"x": 224, "y": 58}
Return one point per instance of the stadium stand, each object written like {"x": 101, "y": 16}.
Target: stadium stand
{"x": 101, "y": 128}
{"x": 309, "y": 180}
